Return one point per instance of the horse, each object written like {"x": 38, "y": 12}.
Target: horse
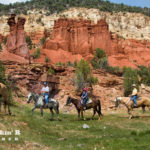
{"x": 39, "y": 103}
{"x": 142, "y": 102}
{"x": 95, "y": 104}
{"x": 4, "y": 94}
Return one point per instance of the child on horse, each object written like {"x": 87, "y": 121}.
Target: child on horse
{"x": 45, "y": 91}
{"x": 84, "y": 97}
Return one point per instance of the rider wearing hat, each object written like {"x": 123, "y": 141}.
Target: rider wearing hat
{"x": 84, "y": 97}
{"x": 45, "y": 91}
{"x": 134, "y": 95}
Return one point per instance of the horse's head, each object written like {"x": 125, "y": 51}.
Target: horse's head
{"x": 68, "y": 101}
{"x": 30, "y": 96}
{"x": 117, "y": 101}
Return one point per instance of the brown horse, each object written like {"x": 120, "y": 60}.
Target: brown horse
{"x": 143, "y": 102}
{"x": 95, "y": 104}
{"x": 4, "y": 94}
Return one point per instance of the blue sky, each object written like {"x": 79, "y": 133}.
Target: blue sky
{"x": 141, "y": 3}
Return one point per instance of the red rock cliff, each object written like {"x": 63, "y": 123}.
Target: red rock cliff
{"x": 83, "y": 37}
{"x": 16, "y": 41}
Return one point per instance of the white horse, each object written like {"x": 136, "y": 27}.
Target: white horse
{"x": 39, "y": 103}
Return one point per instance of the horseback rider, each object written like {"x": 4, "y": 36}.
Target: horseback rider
{"x": 45, "y": 91}
{"x": 84, "y": 97}
{"x": 134, "y": 95}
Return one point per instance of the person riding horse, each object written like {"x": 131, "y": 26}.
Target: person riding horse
{"x": 84, "y": 97}
{"x": 45, "y": 90}
{"x": 134, "y": 95}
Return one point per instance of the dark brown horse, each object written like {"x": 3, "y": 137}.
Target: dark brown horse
{"x": 95, "y": 104}
{"x": 4, "y": 94}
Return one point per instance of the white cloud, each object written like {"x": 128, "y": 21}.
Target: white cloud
{"x": 11, "y": 1}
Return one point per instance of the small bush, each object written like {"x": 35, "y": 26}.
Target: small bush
{"x": 51, "y": 71}
{"x": 70, "y": 64}
{"x": 28, "y": 41}
{"x": 130, "y": 77}
{"x": 36, "y": 53}
{"x": 47, "y": 59}
{"x": 60, "y": 64}
{"x": 43, "y": 40}
{"x": 5, "y": 40}
{"x": 92, "y": 80}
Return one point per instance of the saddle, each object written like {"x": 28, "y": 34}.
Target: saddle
{"x": 88, "y": 102}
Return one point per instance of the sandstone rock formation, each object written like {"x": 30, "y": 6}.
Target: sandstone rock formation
{"x": 1, "y": 38}
{"x": 83, "y": 37}
{"x": 16, "y": 41}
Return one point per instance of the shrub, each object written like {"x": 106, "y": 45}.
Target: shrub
{"x": 99, "y": 61}
{"x": 83, "y": 75}
{"x": 36, "y": 53}
{"x": 70, "y": 64}
{"x": 60, "y": 64}
{"x": 144, "y": 73}
{"x": 47, "y": 59}
{"x": 42, "y": 40}
{"x": 2, "y": 74}
{"x": 5, "y": 40}
{"x": 28, "y": 41}
{"x": 130, "y": 77}
{"x": 51, "y": 71}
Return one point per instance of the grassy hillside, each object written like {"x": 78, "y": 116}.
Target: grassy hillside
{"x": 59, "y": 5}
{"x": 114, "y": 131}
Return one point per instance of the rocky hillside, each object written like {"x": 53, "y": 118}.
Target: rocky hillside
{"x": 126, "y": 25}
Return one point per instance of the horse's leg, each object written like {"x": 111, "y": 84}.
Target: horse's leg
{"x": 51, "y": 110}
{"x": 57, "y": 112}
{"x": 33, "y": 109}
{"x": 94, "y": 112}
{"x": 130, "y": 114}
{"x": 41, "y": 111}
{"x": 78, "y": 114}
{"x": 5, "y": 107}
{"x": 143, "y": 109}
{"x": 82, "y": 115}
{"x": 9, "y": 112}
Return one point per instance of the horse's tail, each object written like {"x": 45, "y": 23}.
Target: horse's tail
{"x": 58, "y": 107}
{"x": 99, "y": 107}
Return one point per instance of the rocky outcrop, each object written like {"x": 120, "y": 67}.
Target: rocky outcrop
{"x": 83, "y": 37}
{"x": 16, "y": 41}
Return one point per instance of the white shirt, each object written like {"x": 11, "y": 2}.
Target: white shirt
{"x": 45, "y": 89}
{"x": 134, "y": 92}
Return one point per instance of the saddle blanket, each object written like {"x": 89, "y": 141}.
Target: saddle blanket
{"x": 89, "y": 101}
{"x": 52, "y": 100}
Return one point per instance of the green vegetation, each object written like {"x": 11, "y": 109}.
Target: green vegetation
{"x": 5, "y": 40}
{"x": 56, "y": 6}
{"x": 113, "y": 132}
{"x": 99, "y": 61}
{"x": 130, "y": 77}
{"x": 29, "y": 42}
{"x": 144, "y": 73}
{"x": 2, "y": 74}
{"x": 43, "y": 40}
{"x": 83, "y": 75}
{"x": 47, "y": 59}
{"x": 60, "y": 64}
{"x": 37, "y": 53}
{"x": 51, "y": 71}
